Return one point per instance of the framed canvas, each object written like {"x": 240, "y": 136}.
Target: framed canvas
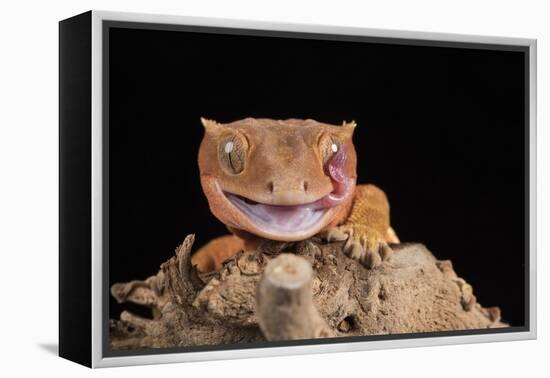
{"x": 235, "y": 188}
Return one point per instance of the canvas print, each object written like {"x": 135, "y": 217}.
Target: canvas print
{"x": 268, "y": 190}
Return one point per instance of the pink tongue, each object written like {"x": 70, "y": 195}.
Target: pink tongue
{"x": 282, "y": 218}
{"x": 285, "y": 215}
{"x": 335, "y": 169}
{"x": 335, "y": 166}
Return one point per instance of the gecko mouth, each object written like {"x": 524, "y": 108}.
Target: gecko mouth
{"x": 277, "y": 218}
{"x": 289, "y": 219}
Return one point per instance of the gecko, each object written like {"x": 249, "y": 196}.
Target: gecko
{"x": 289, "y": 180}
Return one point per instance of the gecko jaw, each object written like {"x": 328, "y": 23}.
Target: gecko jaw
{"x": 279, "y": 221}
{"x": 287, "y": 222}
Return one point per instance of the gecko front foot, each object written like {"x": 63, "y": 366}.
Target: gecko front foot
{"x": 362, "y": 243}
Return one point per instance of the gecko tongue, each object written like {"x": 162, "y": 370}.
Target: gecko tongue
{"x": 334, "y": 168}
{"x": 280, "y": 218}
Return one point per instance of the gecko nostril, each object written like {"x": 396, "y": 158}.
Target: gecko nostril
{"x": 270, "y": 186}
{"x": 305, "y": 185}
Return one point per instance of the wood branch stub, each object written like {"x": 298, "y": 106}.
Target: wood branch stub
{"x": 285, "y": 308}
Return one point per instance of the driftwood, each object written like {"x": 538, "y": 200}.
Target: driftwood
{"x": 285, "y": 293}
{"x": 302, "y": 290}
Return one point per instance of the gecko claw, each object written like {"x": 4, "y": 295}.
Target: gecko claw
{"x": 354, "y": 249}
{"x": 361, "y": 243}
{"x": 333, "y": 234}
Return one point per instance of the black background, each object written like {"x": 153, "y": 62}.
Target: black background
{"x": 440, "y": 129}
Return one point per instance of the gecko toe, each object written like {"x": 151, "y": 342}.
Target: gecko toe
{"x": 337, "y": 235}
{"x": 355, "y": 250}
{"x": 359, "y": 252}
{"x": 385, "y": 251}
{"x": 372, "y": 259}
{"x": 376, "y": 254}
{"x": 333, "y": 235}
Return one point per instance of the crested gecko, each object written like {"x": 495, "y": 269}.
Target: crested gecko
{"x": 289, "y": 180}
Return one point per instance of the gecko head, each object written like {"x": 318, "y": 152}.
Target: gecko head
{"x": 278, "y": 179}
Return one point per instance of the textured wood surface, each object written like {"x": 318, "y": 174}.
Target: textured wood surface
{"x": 327, "y": 295}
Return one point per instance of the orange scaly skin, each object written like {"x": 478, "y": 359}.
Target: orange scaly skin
{"x": 257, "y": 169}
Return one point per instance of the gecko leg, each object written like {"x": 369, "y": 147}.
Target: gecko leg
{"x": 366, "y": 230}
{"x": 211, "y": 256}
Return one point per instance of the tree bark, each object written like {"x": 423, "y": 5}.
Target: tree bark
{"x": 289, "y": 291}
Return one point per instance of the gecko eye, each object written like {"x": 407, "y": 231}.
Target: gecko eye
{"x": 232, "y": 153}
{"x": 328, "y": 146}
